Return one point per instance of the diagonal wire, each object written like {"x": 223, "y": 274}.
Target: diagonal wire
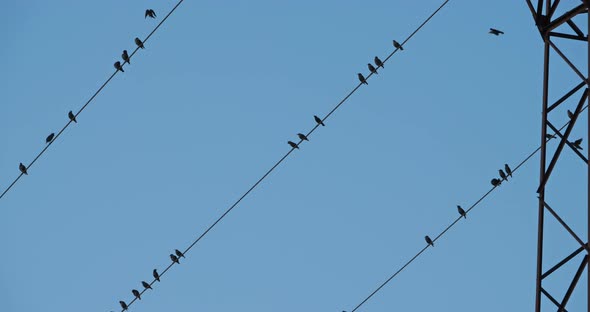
{"x": 87, "y": 102}
{"x": 288, "y": 153}
{"x": 454, "y": 222}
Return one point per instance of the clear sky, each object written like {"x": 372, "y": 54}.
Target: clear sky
{"x": 209, "y": 106}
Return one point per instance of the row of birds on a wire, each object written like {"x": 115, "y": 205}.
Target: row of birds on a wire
{"x": 125, "y": 56}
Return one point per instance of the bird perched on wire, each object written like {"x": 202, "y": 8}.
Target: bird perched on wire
{"x": 118, "y": 66}
{"x": 22, "y": 169}
{"x": 362, "y": 79}
{"x": 72, "y": 116}
{"x": 146, "y": 285}
{"x": 378, "y": 62}
{"x": 502, "y": 174}
{"x": 577, "y": 143}
{"x": 174, "y": 258}
{"x": 156, "y": 275}
{"x": 136, "y": 293}
{"x": 293, "y": 144}
{"x": 178, "y": 253}
{"x": 139, "y": 43}
{"x": 302, "y": 136}
{"x": 372, "y": 68}
{"x": 570, "y": 114}
{"x": 125, "y": 57}
{"x": 397, "y": 45}
{"x": 151, "y": 13}
{"x": 462, "y": 212}
{"x": 318, "y": 120}
{"x": 123, "y": 305}
{"x": 549, "y": 136}
{"x": 496, "y": 32}
{"x": 49, "y": 138}
{"x": 429, "y": 241}
{"x": 496, "y": 182}
{"x": 508, "y": 170}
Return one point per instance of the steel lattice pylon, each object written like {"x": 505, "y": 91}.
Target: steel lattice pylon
{"x": 563, "y": 26}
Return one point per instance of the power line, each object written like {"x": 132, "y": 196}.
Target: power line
{"x": 453, "y": 223}
{"x": 87, "y": 102}
{"x": 289, "y": 152}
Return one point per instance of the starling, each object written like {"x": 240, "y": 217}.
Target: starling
{"x": 362, "y": 79}
{"x": 156, "y": 275}
{"x": 125, "y": 56}
{"x": 174, "y": 258}
{"x": 429, "y": 241}
{"x": 118, "y": 66}
{"x": 136, "y": 293}
{"x": 123, "y": 305}
{"x": 508, "y": 170}
{"x": 139, "y": 43}
{"x": 151, "y": 13}
{"x": 146, "y": 285}
{"x": 72, "y": 116}
{"x": 302, "y": 136}
{"x": 178, "y": 253}
{"x": 293, "y": 144}
{"x": 50, "y": 138}
{"x": 496, "y": 32}
{"x": 570, "y": 114}
{"x": 496, "y": 182}
{"x": 378, "y": 62}
{"x": 318, "y": 120}
{"x": 397, "y": 45}
{"x": 372, "y": 68}
{"x": 22, "y": 168}
{"x": 462, "y": 212}
{"x": 577, "y": 143}
{"x": 502, "y": 174}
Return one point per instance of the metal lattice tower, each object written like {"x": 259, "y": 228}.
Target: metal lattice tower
{"x": 557, "y": 29}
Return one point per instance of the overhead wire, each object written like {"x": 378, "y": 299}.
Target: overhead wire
{"x": 87, "y": 102}
{"x": 269, "y": 171}
{"x": 456, "y": 221}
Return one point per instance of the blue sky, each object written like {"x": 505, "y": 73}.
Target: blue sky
{"x": 209, "y": 106}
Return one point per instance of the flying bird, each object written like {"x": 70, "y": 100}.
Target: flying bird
{"x": 378, "y": 62}
{"x": 577, "y": 143}
{"x": 302, "y": 136}
{"x": 72, "y": 116}
{"x": 136, "y": 293}
{"x": 496, "y": 182}
{"x": 362, "y": 79}
{"x": 293, "y": 144}
{"x": 397, "y": 45}
{"x": 496, "y": 32}
{"x": 118, "y": 66}
{"x": 50, "y": 138}
{"x": 151, "y": 13}
{"x": 146, "y": 285}
{"x": 178, "y": 253}
{"x": 372, "y": 68}
{"x": 502, "y": 174}
{"x": 570, "y": 114}
{"x": 462, "y": 212}
{"x": 508, "y": 170}
{"x": 125, "y": 57}
{"x": 156, "y": 275}
{"x": 429, "y": 241}
{"x": 318, "y": 120}
{"x": 123, "y": 305}
{"x": 139, "y": 43}
{"x": 174, "y": 258}
{"x": 22, "y": 168}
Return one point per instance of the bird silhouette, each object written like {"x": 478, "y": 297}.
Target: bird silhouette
{"x": 22, "y": 168}
{"x": 72, "y": 116}
{"x": 496, "y": 32}
{"x": 156, "y": 275}
{"x": 123, "y": 305}
{"x": 146, "y": 285}
{"x": 362, "y": 79}
{"x": 174, "y": 258}
{"x": 462, "y": 212}
{"x": 178, "y": 253}
{"x": 151, "y": 13}
{"x": 378, "y": 62}
{"x": 577, "y": 143}
{"x": 318, "y": 120}
{"x": 397, "y": 45}
{"x": 502, "y": 174}
{"x": 136, "y": 293}
{"x": 302, "y": 136}
{"x": 570, "y": 114}
{"x": 139, "y": 43}
{"x": 125, "y": 57}
{"x": 508, "y": 170}
{"x": 496, "y": 182}
{"x": 293, "y": 144}
{"x": 372, "y": 68}
{"x": 429, "y": 241}
{"x": 118, "y": 66}
{"x": 549, "y": 136}
{"x": 50, "y": 138}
